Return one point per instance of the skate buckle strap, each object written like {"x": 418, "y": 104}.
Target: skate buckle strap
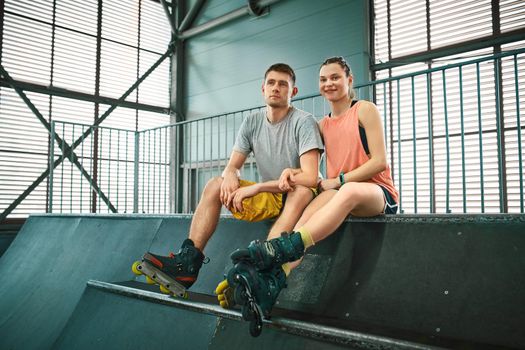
{"x": 269, "y": 248}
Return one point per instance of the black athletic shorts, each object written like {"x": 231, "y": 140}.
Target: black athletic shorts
{"x": 390, "y": 203}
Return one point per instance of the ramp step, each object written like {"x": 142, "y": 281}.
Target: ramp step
{"x": 315, "y": 331}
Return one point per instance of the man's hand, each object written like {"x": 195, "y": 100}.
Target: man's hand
{"x": 241, "y": 193}
{"x": 329, "y": 184}
{"x": 287, "y": 180}
{"x": 229, "y": 184}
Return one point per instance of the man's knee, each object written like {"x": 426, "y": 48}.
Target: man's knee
{"x": 213, "y": 187}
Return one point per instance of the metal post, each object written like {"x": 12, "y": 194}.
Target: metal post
{"x": 518, "y": 128}
{"x": 178, "y": 108}
{"x": 463, "y": 168}
{"x": 399, "y": 146}
{"x": 480, "y": 134}
{"x": 447, "y": 146}
{"x": 500, "y": 132}
{"x": 51, "y": 161}
{"x": 136, "y": 174}
{"x": 430, "y": 144}
{"x": 414, "y": 155}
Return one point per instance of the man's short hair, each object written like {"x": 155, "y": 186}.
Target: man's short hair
{"x": 283, "y": 68}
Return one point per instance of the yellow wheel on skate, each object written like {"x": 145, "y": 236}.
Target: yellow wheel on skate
{"x": 150, "y": 280}
{"x": 135, "y": 268}
{"x": 183, "y": 296}
{"x": 164, "y": 289}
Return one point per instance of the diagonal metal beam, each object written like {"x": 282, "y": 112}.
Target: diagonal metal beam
{"x": 192, "y": 15}
{"x": 121, "y": 99}
{"x": 64, "y": 146}
{"x": 169, "y": 16}
{"x": 45, "y": 174}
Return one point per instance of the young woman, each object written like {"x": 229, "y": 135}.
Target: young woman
{"x": 358, "y": 183}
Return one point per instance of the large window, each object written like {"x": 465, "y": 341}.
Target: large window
{"x": 70, "y": 58}
{"x": 453, "y": 134}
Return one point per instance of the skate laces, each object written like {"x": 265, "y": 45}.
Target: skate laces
{"x": 204, "y": 261}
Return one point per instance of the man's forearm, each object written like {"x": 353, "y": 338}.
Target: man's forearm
{"x": 231, "y": 170}
{"x": 304, "y": 178}
{"x": 268, "y": 186}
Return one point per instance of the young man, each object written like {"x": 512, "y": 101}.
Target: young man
{"x": 286, "y": 144}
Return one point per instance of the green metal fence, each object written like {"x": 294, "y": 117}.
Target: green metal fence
{"x": 453, "y": 136}
{"x": 106, "y": 160}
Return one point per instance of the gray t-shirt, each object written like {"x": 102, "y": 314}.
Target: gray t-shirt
{"x": 278, "y": 146}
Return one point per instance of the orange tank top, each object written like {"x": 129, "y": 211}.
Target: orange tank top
{"x": 345, "y": 152}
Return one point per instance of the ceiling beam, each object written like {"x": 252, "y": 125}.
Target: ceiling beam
{"x": 253, "y": 8}
{"x": 192, "y": 15}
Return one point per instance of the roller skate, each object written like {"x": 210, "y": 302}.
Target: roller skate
{"x": 255, "y": 291}
{"x": 174, "y": 273}
{"x": 257, "y": 277}
{"x": 263, "y": 255}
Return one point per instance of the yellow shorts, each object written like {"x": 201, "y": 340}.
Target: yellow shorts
{"x": 264, "y": 205}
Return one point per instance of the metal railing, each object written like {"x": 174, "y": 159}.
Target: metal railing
{"x": 453, "y": 136}
{"x": 108, "y": 156}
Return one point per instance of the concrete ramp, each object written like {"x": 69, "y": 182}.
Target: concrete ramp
{"x": 453, "y": 281}
{"x": 108, "y": 321}
{"x": 44, "y": 272}
{"x": 135, "y": 323}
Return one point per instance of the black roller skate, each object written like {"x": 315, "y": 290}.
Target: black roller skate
{"x": 257, "y": 277}
{"x": 263, "y": 255}
{"x": 255, "y": 291}
{"x": 174, "y": 273}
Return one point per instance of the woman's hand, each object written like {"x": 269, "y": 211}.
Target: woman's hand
{"x": 329, "y": 184}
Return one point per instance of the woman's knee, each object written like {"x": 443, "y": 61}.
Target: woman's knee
{"x": 301, "y": 195}
{"x": 359, "y": 198}
{"x": 351, "y": 193}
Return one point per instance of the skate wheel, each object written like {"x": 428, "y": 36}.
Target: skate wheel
{"x": 164, "y": 290}
{"x": 183, "y": 296}
{"x": 135, "y": 268}
{"x": 256, "y": 322}
{"x": 255, "y": 327}
{"x": 150, "y": 280}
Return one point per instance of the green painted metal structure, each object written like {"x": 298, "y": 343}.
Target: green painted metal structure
{"x": 452, "y": 281}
